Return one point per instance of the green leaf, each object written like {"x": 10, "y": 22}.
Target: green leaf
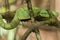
{"x": 12, "y": 1}
{"x": 12, "y": 7}
{"x": 11, "y": 34}
{"x": 2, "y": 31}
{"x": 3, "y": 10}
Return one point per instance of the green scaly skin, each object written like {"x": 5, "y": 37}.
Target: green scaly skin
{"x": 22, "y": 13}
{"x": 18, "y": 16}
{"x": 44, "y": 16}
{"x": 10, "y": 25}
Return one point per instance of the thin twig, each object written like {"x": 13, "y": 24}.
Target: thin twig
{"x": 52, "y": 16}
{"x": 29, "y": 6}
{"x": 7, "y": 4}
{"x": 38, "y": 36}
{"x": 16, "y": 35}
{"x": 26, "y": 34}
{"x": 24, "y": 37}
{"x": 30, "y": 29}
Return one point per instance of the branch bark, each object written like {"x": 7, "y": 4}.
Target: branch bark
{"x": 37, "y": 33}
{"x": 31, "y": 13}
{"x": 26, "y": 34}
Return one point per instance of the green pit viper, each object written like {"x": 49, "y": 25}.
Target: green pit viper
{"x": 22, "y": 13}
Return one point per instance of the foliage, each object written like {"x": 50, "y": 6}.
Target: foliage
{"x": 11, "y": 1}
{"x": 3, "y": 10}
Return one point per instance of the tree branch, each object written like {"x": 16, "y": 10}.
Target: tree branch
{"x": 29, "y": 6}
{"x": 7, "y": 4}
{"x": 26, "y": 34}
{"x": 45, "y": 26}
{"x": 35, "y": 27}
{"x": 37, "y": 33}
